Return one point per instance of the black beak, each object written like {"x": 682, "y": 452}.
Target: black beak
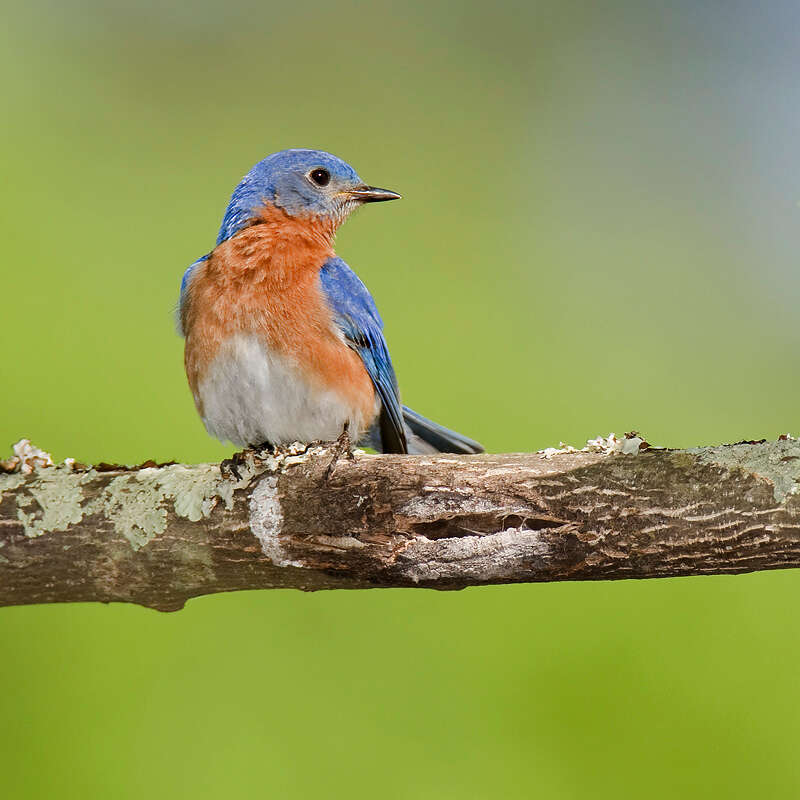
{"x": 372, "y": 194}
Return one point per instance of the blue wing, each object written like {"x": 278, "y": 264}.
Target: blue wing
{"x": 187, "y": 276}
{"x": 358, "y": 319}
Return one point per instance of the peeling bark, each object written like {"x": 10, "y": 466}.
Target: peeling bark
{"x": 159, "y": 535}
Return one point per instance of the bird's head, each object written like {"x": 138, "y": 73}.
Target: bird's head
{"x": 303, "y": 183}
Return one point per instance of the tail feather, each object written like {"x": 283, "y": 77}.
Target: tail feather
{"x": 429, "y": 437}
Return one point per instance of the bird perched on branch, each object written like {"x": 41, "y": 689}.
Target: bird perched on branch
{"x": 283, "y": 341}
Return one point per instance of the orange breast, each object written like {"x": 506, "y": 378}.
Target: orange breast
{"x": 265, "y": 280}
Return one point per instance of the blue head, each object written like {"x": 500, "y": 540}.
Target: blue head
{"x": 302, "y": 183}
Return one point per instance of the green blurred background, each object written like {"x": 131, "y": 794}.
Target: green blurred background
{"x": 598, "y": 232}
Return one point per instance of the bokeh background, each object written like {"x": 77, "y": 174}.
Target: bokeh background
{"x": 599, "y": 232}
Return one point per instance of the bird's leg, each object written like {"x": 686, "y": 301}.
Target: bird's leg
{"x": 343, "y": 446}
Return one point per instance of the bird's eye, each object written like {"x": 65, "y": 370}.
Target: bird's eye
{"x": 320, "y": 176}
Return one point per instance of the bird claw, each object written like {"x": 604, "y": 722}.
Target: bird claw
{"x": 229, "y": 467}
{"x": 343, "y": 446}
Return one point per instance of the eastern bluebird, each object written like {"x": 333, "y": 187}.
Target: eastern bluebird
{"x": 283, "y": 341}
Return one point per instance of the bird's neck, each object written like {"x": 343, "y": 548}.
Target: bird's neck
{"x": 292, "y": 229}
{"x": 278, "y": 249}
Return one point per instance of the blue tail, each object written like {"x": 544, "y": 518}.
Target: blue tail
{"x": 422, "y": 436}
{"x": 425, "y": 436}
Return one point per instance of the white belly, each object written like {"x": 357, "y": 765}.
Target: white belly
{"x": 250, "y": 396}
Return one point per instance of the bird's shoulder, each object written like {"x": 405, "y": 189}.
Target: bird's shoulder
{"x": 348, "y": 296}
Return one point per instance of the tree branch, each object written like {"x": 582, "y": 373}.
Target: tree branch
{"x": 158, "y": 535}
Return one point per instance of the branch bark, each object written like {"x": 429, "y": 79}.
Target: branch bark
{"x": 159, "y": 535}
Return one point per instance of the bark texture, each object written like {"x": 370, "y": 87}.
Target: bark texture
{"x": 158, "y": 535}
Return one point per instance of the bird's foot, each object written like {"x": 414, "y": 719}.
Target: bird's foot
{"x": 229, "y": 467}
{"x": 343, "y": 446}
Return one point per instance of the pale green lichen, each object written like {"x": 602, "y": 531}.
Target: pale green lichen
{"x": 136, "y": 503}
{"x": 58, "y": 493}
{"x": 10, "y": 482}
{"x": 195, "y": 491}
{"x": 778, "y": 462}
{"x": 134, "y": 508}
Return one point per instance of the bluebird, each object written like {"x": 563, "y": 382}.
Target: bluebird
{"x": 283, "y": 340}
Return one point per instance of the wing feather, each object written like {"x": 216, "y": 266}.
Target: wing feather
{"x": 359, "y": 320}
